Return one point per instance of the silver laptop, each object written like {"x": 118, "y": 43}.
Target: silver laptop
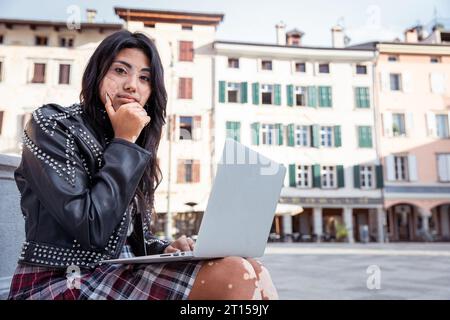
{"x": 240, "y": 208}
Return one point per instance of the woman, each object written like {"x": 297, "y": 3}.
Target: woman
{"x": 87, "y": 180}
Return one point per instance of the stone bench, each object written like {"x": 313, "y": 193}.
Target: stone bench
{"x": 12, "y": 231}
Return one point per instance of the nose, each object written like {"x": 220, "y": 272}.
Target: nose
{"x": 130, "y": 84}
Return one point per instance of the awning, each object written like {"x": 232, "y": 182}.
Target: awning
{"x": 287, "y": 208}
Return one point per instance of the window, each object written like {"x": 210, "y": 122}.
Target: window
{"x": 395, "y": 81}
{"x": 324, "y": 68}
{"x": 188, "y": 171}
{"x": 442, "y": 126}
{"x": 400, "y": 167}
{"x": 304, "y": 179}
{"x": 186, "y": 52}
{"x": 326, "y": 136}
{"x": 185, "y": 88}
{"x": 233, "y": 91}
{"x": 443, "y": 165}
{"x": 300, "y": 67}
{"x": 1, "y": 121}
{"x": 362, "y": 97}
{"x": 233, "y": 63}
{"x": 325, "y": 97}
{"x": 361, "y": 69}
{"x": 302, "y": 136}
{"x": 39, "y": 73}
{"x": 301, "y": 96}
{"x": 365, "y": 137}
{"x": 266, "y": 64}
{"x": 233, "y": 130}
{"x": 64, "y": 74}
{"x": 269, "y": 134}
{"x": 41, "y": 40}
{"x": 435, "y": 59}
{"x": 367, "y": 177}
{"x": 328, "y": 177}
{"x": 398, "y": 124}
{"x": 66, "y": 42}
{"x": 185, "y": 128}
{"x": 267, "y": 94}
{"x": 392, "y": 58}
{"x": 186, "y": 27}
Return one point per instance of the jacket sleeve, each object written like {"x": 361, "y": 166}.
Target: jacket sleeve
{"x": 154, "y": 245}
{"x": 87, "y": 209}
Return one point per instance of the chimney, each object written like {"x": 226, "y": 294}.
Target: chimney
{"x": 337, "y": 37}
{"x": 294, "y": 38}
{"x": 91, "y": 13}
{"x": 281, "y": 33}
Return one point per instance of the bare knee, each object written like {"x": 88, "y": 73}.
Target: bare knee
{"x": 226, "y": 278}
{"x": 265, "y": 284}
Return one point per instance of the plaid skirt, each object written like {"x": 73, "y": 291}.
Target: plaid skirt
{"x": 156, "y": 281}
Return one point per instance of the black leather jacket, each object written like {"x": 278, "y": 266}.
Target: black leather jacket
{"x": 77, "y": 191}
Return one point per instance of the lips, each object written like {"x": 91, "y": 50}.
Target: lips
{"x": 127, "y": 97}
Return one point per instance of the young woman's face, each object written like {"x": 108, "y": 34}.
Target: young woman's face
{"x": 128, "y": 79}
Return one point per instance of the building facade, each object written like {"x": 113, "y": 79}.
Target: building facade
{"x": 312, "y": 110}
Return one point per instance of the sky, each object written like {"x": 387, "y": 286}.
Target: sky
{"x": 255, "y": 20}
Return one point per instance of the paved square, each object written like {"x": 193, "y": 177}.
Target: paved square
{"x": 339, "y": 271}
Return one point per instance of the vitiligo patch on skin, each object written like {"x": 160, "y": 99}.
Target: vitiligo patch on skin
{"x": 246, "y": 276}
{"x": 230, "y": 286}
{"x": 202, "y": 282}
{"x": 210, "y": 263}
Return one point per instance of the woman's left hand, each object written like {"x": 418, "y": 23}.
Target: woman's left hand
{"x": 183, "y": 243}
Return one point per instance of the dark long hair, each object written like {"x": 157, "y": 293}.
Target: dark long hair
{"x": 150, "y": 136}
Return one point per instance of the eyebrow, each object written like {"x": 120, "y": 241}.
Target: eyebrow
{"x": 130, "y": 66}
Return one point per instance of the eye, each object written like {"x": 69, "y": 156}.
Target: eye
{"x": 120, "y": 70}
{"x": 145, "y": 78}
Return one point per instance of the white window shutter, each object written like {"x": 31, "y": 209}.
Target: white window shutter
{"x": 387, "y": 123}
{"x": 390, "y": 167}
{"x": 444, "y": 167}
{"x": 437, "y": 82}
{"x": 409, "y": 124}
{"x": 431, "y": 124}
{"x": 412, "y": 166}
{"x": 406, "y": 82}
{"x": 384, "y": 79}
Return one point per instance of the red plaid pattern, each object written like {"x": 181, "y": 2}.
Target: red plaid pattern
{"x": 159, "y": 281}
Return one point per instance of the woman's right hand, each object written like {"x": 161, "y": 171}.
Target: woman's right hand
{"x": 128, "y": 121}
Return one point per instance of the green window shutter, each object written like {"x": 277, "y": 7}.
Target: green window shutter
{"x": 362, "y": 97}
{"x": 380, "y": 179}
{"x": 237, "y": 131}
{"x": 316, "y": 176}
{"x": 229, "y": 129}
{"x": 290, "y": 95}
{"x": 222, "y": 85}
{"x": 340, "y": 176}
{"x": 337, "y": 136}
{"x": 255, "y": 133}
{"x": 279, "y": 127}
{"x": 356, "y": 177}
{"x": 325, "y": 97}
{"x": 315, "y": 133}
{"x": 312, "y": 96}
{"x": 244, "y": 92}
{"x": 292, "y": 180}
{"x": 277, "y": 89}
{"x": 365, "y": 137}
{"x": 290, "y": 135}
{"x": 255, "y": 90}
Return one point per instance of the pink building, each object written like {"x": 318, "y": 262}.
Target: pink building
{"x": 412, "y": 85}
